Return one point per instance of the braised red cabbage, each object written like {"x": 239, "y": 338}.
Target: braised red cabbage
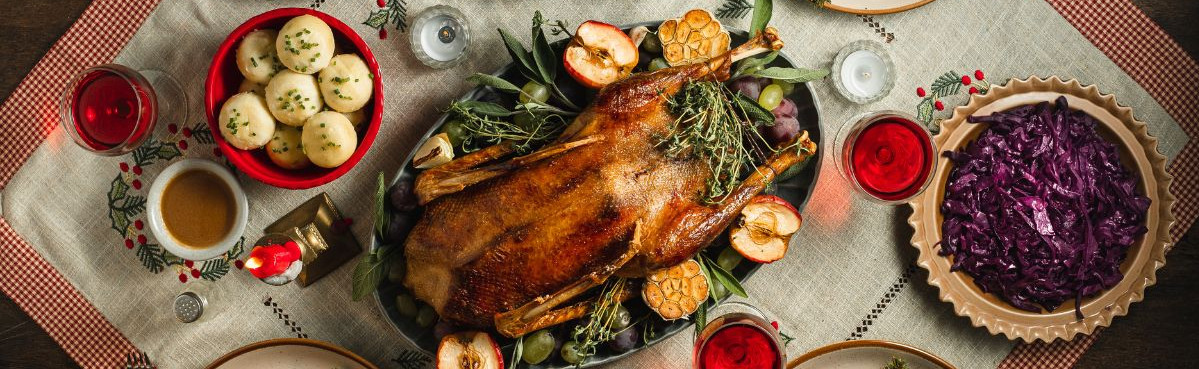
{"x": 1039, "y": 209}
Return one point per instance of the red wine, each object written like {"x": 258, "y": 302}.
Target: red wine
{"x": 892, "y": 158}
{"x": 111, "y": 107}
{"x": 739, "y": 343}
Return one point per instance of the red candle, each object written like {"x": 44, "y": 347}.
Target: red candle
{"x": 271, "y": 260}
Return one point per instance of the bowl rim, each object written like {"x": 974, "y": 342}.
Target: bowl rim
{"x": 211, "y": 106}
{"x": 1003, "y": 318}
{"x": 158, "y": 226}
{"x": 884, "y": 344}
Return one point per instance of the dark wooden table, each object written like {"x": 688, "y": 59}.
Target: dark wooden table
{"x": 1158, "y": 333}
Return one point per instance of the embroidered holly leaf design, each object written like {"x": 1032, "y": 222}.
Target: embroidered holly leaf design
{"x": 394, "y": 13}
{"x": 412, "y": 359}
{"x": 118, "y": 190}
{"x": 146, "y": 153}
{"x": 377, "y": 19}
{"x": 924, "y": 112}
{"x": 214, "y": 269}
{"x": 947, "y": 84}
{"x": 236, "y": 251}
{"x": 122, "y": 207}
{"x": 152, "y": 257}
{"x": 168, "y": 151}
{"x": 734, "y": 9}
{"x": 202, "y": 133}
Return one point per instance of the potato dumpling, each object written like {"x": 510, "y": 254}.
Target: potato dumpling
{"x": 346, "y": 83}
{"x": 285, "y": 148}
{"x": 256, "y": 56}
{"x": 293, "y": 97}
{"x": 251, "y": 86}
{"x": 305, "y": 44}
{"x": 245, "y": 122}
{"x": 356, "y": 117}
{"x": 329, "y": 139}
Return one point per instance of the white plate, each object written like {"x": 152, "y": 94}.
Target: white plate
{"x": 291, "y": 353}
{"x": 874, "y": 6}
{"x": 867, "y": 354}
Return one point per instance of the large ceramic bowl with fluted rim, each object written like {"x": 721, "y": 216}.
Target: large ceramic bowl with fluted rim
{"x": 1138, "y": 153}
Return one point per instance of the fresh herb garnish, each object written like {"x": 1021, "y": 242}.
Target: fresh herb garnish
{"x": 540, "y": 65}
{"x": 484, "y": 125}
{"x": 710, "y": 126}
{"x": 896, "y": 363}
{"x": 598, "y": 326}
{"x": 518, "y": 352}
{"x": 373, "y": 266}
{"x": 762, "y": 12}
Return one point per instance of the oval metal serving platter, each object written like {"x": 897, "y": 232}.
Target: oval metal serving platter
{"x": 796, "y": 190}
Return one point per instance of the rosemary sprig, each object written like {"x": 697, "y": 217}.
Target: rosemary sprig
{"x": 599, "y": 323}
{"x": 710, "y": 126}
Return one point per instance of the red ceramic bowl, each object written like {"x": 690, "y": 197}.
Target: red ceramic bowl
{"x": 223, "y": 80}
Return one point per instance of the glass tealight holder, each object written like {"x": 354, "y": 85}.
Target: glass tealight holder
{"x": 863, "y": 72}
{"x": 440, "y": 36}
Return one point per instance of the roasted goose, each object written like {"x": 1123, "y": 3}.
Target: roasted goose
{"x": 504, "y": 244}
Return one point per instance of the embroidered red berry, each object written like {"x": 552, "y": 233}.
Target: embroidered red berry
{"x": 189, "y": 263}
{"x": 187, "y": 132}
{"x": 940, "y": 106}
{"x": 137, "y": 184}
{"x": 182, "y": 278}
{"x": 172, "y": 128}
{"x": 216, "y": 151}
{"x": 382, "y": 34}
{"x": 128, "y": 243}
{"x": 775, "y": 324}
{"x": 182, "y": 145}
{"x": 124, "y": 167}
{"x": 382, "y": 3}
{"x": 965, "y": 80}
{"x": 978, "y": 74}
{"x": 239, "y": 264}
{"x": 920, "y": 91}
{"x": 195, "y": 273}
{"x": 137, "y": 169}
{"x": 973, "y": 90}
{"x": 138, "y": 224}
{"x": 141, "y": 239}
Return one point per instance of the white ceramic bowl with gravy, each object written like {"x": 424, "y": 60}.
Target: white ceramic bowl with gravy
{"x": 158, "y": 227}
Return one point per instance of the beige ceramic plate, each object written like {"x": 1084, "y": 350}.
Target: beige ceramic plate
{"x": 874, "y": 6}
{"x": 867, "y": 354}
{"x": 1138, "y": 152}
{"x": 291, "y": 353}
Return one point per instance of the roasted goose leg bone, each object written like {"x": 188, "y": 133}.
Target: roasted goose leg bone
{"x": 767, "y": 40}
{"x": 539, "y": 313}
{"x": 509, "y": 326}
{"x": 474, "y": 159}
{"x": 440, "y": 181}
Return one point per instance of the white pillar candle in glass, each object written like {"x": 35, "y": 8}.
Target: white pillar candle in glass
{"x": 440, "y": 36}
{"x": 863, "y": 72}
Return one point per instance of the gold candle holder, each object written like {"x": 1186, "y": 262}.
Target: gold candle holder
{"x": 324, "y": 239}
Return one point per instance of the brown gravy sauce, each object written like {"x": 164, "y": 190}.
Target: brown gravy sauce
{"x": 198, "y": 209}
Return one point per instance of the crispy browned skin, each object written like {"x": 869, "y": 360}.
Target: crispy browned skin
{"x": 536, "y": 229}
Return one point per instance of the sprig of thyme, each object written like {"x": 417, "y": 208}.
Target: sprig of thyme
{"x": 484, "y": 126}
{"x": 710, "y": 126}
{"x": 598, "y": 327}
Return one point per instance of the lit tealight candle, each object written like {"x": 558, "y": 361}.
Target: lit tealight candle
{"x": 863, "y": 72}
{"x": 440, "y": 36}
{"x": 275, "y": 263}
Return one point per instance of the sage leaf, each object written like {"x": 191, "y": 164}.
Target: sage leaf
{"x": 755, "y": 62}
{"x": 792, "y": 75}
{"x": 370, "y": 271}
{"x": 488, "y": 80}
{"x": 519, "y": 54}
{"x": 762, "y": 12}
{"x": 381, "y": 218}
{"x": 543, "y": 57}
{"x": 724, "y": 277}
{"x": 753, "y": 110}
{"x": 485, "y": 108}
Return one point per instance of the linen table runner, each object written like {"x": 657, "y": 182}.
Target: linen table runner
{"x": 849, "y": 275}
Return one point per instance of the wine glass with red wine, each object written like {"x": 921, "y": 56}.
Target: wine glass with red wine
{"x": 111, "y": 109}
{"x": 739, "y": 337}
{"x": 886, "y": 156}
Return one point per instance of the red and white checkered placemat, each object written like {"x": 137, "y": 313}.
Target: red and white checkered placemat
{"x": 1148, "y": 55}
{"x": 29, "y": 114}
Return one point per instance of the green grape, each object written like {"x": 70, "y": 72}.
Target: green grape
{"x": 426, "y": 317}
{"x": 525, "y": 120}
{"x": 771, "y": 97}
{"x": 570, "y": 352}
{"x": 728, "y": 259}
{"x": 395, "y": 271}
{"x": 717, "y": 289}
{"x": 787, "y": 87}
{"x": 651, "y": 43}
{"x": 623, "y": 318}
{"x": 537, "y": 347}
{"x": 534, "y": 91}
{"x": 453, "y": 128}
{"x": 658, "y": 63}
{"x": 406, "y": 305}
